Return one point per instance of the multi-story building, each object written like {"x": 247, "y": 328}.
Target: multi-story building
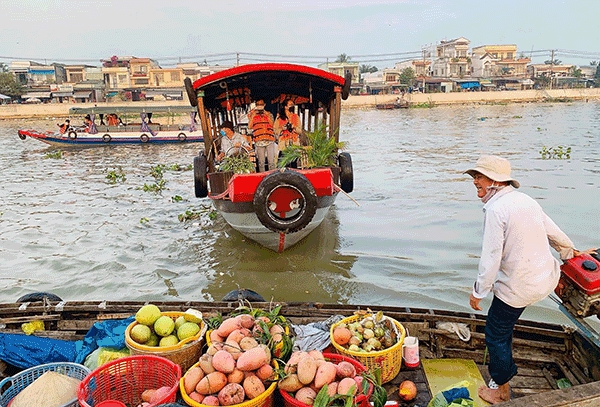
{"x": 452, "y": 59}
{"x": 498, "y": 60}
{"x": 37, "y": 78}
{"x": 342, "y": 68}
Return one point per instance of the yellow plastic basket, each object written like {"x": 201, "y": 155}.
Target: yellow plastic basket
{"x": 185, "y": 353}
{"x": 266, "y": 399}
{"x": 388, "y": 360}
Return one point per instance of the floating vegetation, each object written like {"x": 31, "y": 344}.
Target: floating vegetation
{"x": 114, "y": 176}
{"x": 194, "y": 214}
{"x": 56, "y": 155}
{"x": 429, "y": 104}
{"x": 144, "y": 221}
{"x": 157, "y": 187}
{"x": 556, "y": 153}
{"x": 176, "y": 198}
{"x": 517, "y": 117}
{"x": 158, "y": 170}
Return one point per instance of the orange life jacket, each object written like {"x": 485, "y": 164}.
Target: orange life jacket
{"x": 262, "y": 127}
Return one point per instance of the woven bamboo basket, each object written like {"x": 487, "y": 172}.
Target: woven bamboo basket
{"x": 388, "y": 360}
{"x": 185, "y": 353}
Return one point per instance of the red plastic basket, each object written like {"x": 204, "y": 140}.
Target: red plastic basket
{"x": 126, "y": 379}
{"x": 361, "y": 400}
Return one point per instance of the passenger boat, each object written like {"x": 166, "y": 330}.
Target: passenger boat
{"x": 549, "y": 356}
{"x": 275, "y": 208}
{"x": 133, "y": 125}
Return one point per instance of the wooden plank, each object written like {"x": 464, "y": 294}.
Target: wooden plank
{"x": 585, "y": 395}
{"x": 565, "y": 370}
{"x": 550, "y": 378}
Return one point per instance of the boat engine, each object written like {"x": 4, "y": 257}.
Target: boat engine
{"x": 579, "y": 285}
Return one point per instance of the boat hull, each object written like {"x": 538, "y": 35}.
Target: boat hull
{"x": 111, "y": 138}
{"x": 242, "y": 218}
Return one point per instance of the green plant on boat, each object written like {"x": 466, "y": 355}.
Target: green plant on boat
{"x": 157, "y": 187}
{"x": 238, "y": 164}
{"x": 320, "y": 151}
{"x": 557, "y": 153}
{"x": 58, "y": 154}
{"x": 114, "y": 176}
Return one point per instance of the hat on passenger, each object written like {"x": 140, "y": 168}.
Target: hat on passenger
{"x": 495, "y": 168}
{"x": 227, "y": 124}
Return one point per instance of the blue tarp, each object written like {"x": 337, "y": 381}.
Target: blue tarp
{"x": 469, "y": 85}
{"x": 25, "y": 351}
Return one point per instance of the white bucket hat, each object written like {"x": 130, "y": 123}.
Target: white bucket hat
{"x": 495, "y": 168}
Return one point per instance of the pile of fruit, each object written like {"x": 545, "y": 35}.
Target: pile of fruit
{"x": 314, "y": 380}
{"x": 236, "y": 367}
{"x": 371, "y": 333}
{"x": 155, "y": 329}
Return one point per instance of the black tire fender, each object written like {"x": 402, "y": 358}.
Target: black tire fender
{"x": 192, "y": 95}
{"x": 346, "y": 172}
{"x": 346, "y": 87}
{"x": 72, "y": 135}
{"x": 144, "y": 137}
{"x": 106, "y": 138}
{"x": 200, "y": 180}
{"x": 181, "y": 137}
{"x": 299, "y": 186}
{"x": 39, "y": 296}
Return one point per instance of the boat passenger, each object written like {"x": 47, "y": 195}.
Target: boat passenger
{"x": 287, "y": 126}
{"x": 87, "y": 123}
{"x": 113, "y": 120}
{"x": 63, "y": 128}
{"x": 516, "y": 264}
{"x": 231, "y": 141}
{"x": 261, "y": 123}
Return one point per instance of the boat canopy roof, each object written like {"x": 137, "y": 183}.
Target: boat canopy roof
{"x": 130, "y": 109}
{"x": 271, "y": 82}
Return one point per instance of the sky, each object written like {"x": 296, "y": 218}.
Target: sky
{"x": 373, "y": 32}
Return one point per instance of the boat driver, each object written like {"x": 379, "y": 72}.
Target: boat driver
{"x": 260, "y": 122}
{"x": 231, "y": 141}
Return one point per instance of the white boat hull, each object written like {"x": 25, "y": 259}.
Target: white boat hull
{"x": 249, "y": 225}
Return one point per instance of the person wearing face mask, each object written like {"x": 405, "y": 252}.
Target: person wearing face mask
{"x": 287, "y": 125}
{"x": 516, "y": 263}
{"x": 260, "y": 122}
{"x": 231, "y": 142}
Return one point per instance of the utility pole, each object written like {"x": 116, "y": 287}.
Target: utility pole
{"x": 551, "y": 66}
{"x": 237, "y": 59}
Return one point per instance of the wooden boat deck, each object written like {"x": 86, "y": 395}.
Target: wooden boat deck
{"x": 545, "y": 353}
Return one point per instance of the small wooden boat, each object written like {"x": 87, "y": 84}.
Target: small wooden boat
{"x": 548, "y": 355}
{"x": 276, "y": 208}
{"x": 398, "y": 104}
{"x": 119, "y": 131}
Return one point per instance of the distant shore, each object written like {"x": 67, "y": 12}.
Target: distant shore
{"x": 58, "y": 110}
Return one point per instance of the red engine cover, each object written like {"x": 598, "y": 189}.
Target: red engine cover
{"x": 584, "y": 272}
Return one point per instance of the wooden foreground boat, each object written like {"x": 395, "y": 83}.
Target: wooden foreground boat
{"x": 546, "y": 354}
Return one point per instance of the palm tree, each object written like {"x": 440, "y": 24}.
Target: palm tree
{"x": 343, "y": 58}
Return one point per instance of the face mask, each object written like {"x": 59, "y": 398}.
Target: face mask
{"x": 222, "y": 132}
{"x": 260, "y": 108}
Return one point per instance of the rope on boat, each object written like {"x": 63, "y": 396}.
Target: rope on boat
{"x": 336, "y": 188}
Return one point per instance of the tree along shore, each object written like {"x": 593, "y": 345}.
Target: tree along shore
{"x": 60, "y": 110}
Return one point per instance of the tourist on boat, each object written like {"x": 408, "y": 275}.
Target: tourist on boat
{"x": 63, "y": 128}
{"x": 261, "y": 123}
{"x": 87, "y": 123}
{"x": 516, "y": 263}
{"x": 287, "y": 126}
{"x": 231, "y": 141}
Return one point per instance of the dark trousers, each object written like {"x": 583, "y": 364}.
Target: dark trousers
{"x": 499, "y": 326}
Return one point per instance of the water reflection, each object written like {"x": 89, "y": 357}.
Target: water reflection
{"x": 313, "y": 268}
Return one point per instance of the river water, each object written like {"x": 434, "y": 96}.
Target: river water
{"x": 412, "y": 240}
